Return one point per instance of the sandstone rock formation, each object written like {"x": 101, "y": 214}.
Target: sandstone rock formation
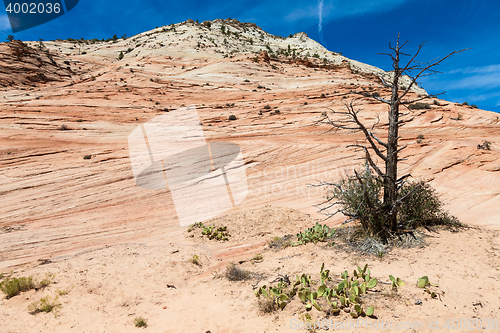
{"x": 66, "y": 180}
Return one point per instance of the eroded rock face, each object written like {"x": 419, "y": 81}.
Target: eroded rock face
{"x": 66, "y": 179}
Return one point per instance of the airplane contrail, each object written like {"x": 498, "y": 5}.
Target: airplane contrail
{"x": 320, "y": 23}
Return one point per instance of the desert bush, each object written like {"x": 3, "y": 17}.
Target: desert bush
{"x": 234, "y": 273}
{"x": 465, "y": 103}
{"x": 45, "y": 304}
{"x": 474, "y": 106}
{"x": 419, "y": 106}
{"x": 49, "y": 278}
{"x": 14, "y": 286}
{"x": 63, "y": 128}
{"x": 267, "y": 107}
{"x": 486, "y": 145}
{"x": 232, "y": 117}
{"x": 120, "y": 56}
{"x": 360, "y": 198}
{"x": 195, "y": 260}
{"x": 278, "y": 243}
{"x": 140, "y": 322}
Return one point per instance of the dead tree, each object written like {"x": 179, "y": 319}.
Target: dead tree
{"x": 389, "y": 150}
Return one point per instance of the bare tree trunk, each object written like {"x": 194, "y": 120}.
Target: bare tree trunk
{"x": 391, "y": 166}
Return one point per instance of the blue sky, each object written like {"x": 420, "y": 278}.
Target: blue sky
{"x": 358, "y": 28}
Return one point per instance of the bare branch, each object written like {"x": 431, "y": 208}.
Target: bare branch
{"x": 425, "y": 69}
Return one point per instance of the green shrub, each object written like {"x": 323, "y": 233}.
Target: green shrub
{"x": 420, "y": 205}
{"x": 46, "y": 304}
{"x": 140, "y": 322}
{"x": 318, "y": 233}
{"x": 211, "y": 232}
{"x": 465, "y": 103}
{"x": 419, "y": 106}
{"x": 14, "y": 286}
{"x": 195, "y": 260}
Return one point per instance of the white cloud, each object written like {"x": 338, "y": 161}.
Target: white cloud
{"x": 4, "y": 23}
{"x": 477, "y": 70}
{"x": 320, "y": 14}
{"x": 478, "y": 81}
{"x": 320, "y": 17}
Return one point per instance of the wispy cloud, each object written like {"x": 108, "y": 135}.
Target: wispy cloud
{"x": 478, "y": 81}
{"x": 477, "y": 70}
{"x": 320, "y": 18}
{"x": 335, "y": 9}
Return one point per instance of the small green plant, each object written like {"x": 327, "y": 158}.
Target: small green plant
{"x": 460, "y": 116}
{"x": 344, "y": 296}
{"x": 267, "y": 107}
{"x": 474, "y": 106}
{"x": 423, "y": 283}
{"x": 140, "y": 322}
{"x": 396, "y": 282}
{"x": 87, "y": 157}
{"x": 258, "y": 257}
{"x": 14, "y": 286}
{"x": 49, "y": 278}
{"x": 465, "y": 103}
{"x": 63, "y": 128}
{"x": 232, "y": 117}
{"x": 46, "y": 304}
{"x": 211, "y": 232}
{"x": 63, "y": 292}
{"x": 318, "y": 233}
{"x": 195, "y": 260}
{"x": 120, "y": 56}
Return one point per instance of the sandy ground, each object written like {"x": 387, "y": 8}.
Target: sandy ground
{"x": 108, "y": 288}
